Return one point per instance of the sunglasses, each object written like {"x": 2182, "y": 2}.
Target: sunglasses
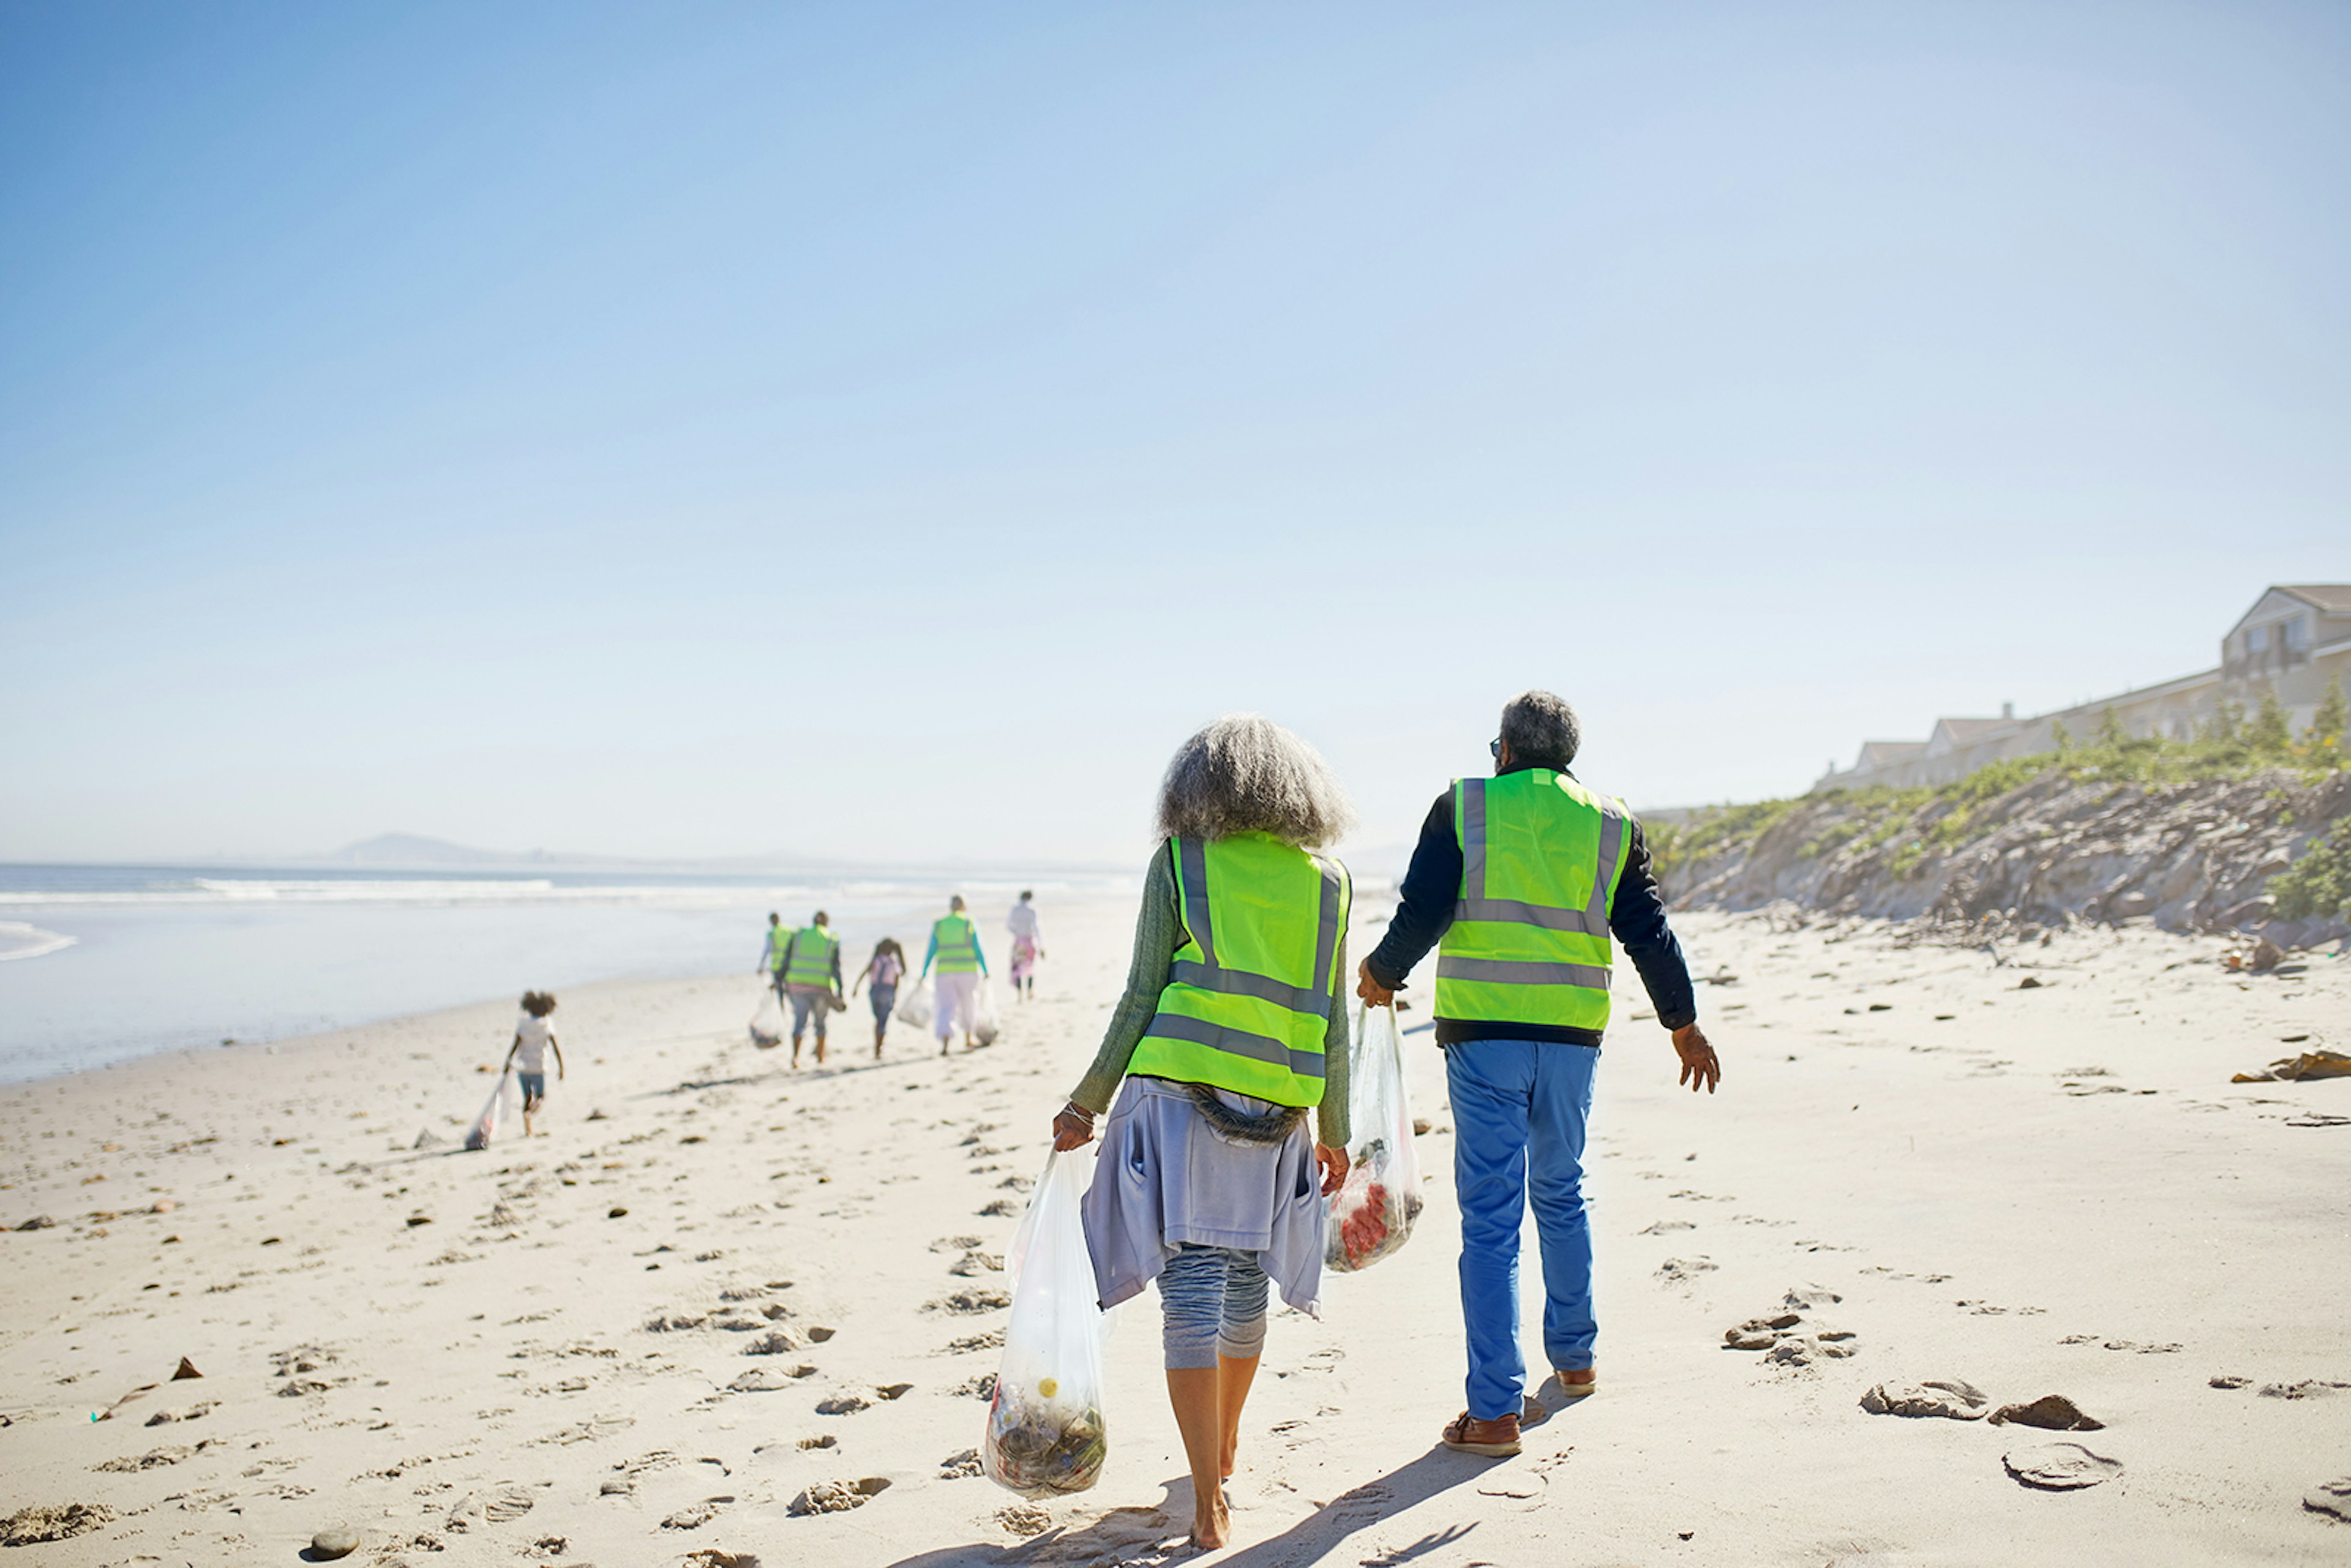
{"x": 1494, "y": 747}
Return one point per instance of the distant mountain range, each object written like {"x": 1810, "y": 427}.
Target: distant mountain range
{"x": 414, "y": 852}
{"x": 406, "y": 852}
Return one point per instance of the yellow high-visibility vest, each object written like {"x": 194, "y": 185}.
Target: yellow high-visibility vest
{"x": 1248, "y": 1002}
{"x": 1540, "y": 856}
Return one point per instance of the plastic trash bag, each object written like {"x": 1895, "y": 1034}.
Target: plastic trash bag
{"x": 916, "y": 1008}
{"x": 502, "y": 1104}
{"x": 1045, "y": 1433}
{"x": 984, "y": 1025}
{"x": 768, "y": 1023}
{"x": 1372, "y": 1213}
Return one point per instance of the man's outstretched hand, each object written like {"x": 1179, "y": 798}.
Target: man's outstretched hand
{"x": 1368, "y": 989}
{"x": 1699, "y": 1064}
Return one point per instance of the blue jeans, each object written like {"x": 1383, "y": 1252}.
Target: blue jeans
{"x": 807, "y": 999}
{"x": 1520, "y": 1107}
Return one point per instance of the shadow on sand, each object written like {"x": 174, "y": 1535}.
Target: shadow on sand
{"x": 1153, "y": 1535}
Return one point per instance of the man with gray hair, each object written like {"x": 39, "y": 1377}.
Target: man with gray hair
{"x": 1517, "y": 882}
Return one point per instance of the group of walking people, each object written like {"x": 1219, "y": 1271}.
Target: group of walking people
{"x": 803, "y": 964}
{"x": 1224, "y": 1069}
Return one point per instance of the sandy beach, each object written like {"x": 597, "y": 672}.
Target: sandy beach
{"x": 715, "y": 1286}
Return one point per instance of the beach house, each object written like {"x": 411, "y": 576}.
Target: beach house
{"x": 2293, "y": 642}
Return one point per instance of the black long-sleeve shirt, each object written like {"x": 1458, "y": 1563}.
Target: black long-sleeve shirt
{"x": 1636, "y": 916}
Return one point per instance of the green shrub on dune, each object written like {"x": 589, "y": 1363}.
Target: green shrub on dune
{"x": 2319, "y": 883}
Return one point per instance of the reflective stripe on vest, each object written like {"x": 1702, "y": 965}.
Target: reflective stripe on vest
{"x": 1247, "y": 1006}
{"x": 812, "y": 950}
{"x": 1540, "y": 856}
{"x": 958, "y": 948}
{"x": 778, "y": 939}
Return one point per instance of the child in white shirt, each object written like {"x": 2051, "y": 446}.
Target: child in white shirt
{"x": 534, "y": 1037}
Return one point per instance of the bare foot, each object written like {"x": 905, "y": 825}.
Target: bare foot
{"x": 1212, "y": 1526}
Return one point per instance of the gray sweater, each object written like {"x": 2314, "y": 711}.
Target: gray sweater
{"x": 1158, "y": 933}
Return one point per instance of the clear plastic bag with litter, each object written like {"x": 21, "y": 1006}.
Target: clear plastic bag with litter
{"x": 1372, "y": 1215}
{"x": 768, "y": 1023}
{"x": 505, "y": 1103}
{"x": 1045, "y": 1432}
{"x": 914, "y": 1007}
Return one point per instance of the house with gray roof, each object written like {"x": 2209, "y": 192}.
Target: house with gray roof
{"x": 2294, "y": 641}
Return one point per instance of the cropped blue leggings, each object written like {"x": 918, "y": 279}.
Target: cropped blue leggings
{"x": 1214, "y": 1302}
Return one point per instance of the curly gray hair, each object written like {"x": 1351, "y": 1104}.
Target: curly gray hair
{"x": 1541, "y": 728}
{"x": 1246, "y": 773}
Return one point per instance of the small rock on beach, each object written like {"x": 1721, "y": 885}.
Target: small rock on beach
{"x": 2051, "y": 1412}
{"x": 330, "y": 1545}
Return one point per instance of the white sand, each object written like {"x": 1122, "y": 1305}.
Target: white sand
{"x": 2053, "y": 1191}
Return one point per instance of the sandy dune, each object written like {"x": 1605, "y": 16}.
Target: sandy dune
{"x": 648, "y": 1336}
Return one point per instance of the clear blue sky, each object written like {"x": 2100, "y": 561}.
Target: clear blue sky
{"x": 885, "y": 431}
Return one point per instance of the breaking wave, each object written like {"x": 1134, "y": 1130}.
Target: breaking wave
{"x": 18, "y": 940}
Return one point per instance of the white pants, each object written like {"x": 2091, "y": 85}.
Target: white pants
{"x": 953, "y": 994}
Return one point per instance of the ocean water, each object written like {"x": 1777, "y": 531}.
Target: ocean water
{"x": 103, "y": 964}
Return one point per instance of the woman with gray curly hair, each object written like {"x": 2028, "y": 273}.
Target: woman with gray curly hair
{"x": 1229, "y": 1037}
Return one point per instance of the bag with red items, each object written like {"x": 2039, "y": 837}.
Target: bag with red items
{"x": 1372, "y": 1213}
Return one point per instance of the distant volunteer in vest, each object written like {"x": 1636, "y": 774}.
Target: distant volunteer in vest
{"x": 772, "y": 948}
{"x": 1232, "y": 1042}
{"x": 1518, "y": 883}
{"x": 954, "y": 953}
{"x": 811, "y": 977}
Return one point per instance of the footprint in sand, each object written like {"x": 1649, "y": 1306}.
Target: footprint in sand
{"x": 770, "y": 1380}
{"x": 1945, "y": 1396}
{"x": 2060, "y": 1466}
{"x": 2332, "y": 1499}
{"x": 40, "y": 1523}
{"x": 695, "y": 1516}
{"x": 1784, "y": 1336}
{"x": 972, "y": 1299}
{"x": 154, "y": 1458}
{"x": 837, "y": 1497}
{"x": 2133, "y": 1345}
{"x": 1024, "y": 1519}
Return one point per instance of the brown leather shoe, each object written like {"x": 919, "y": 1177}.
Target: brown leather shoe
{"x": 1578, "y": 1385}
{"x": 1496, "y": 1439}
